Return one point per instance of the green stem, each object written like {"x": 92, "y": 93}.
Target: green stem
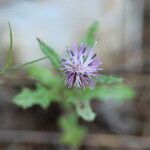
{"x": 10, "y": 55}
{"x": 26, "y": 64}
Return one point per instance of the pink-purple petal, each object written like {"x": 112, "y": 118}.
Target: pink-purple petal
{"x": 81, "y": 67}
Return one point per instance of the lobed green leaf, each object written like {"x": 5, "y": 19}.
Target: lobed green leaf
{"x": 40, "y": 96}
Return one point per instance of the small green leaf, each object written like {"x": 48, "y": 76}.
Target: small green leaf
{"x": 117, "y": 93}
{"x": 90, "y": 37}
{"x": 50, "y": 53}
{"x": 105, "y": 79}
{"x": 10, "y": 55}
{"x": 73, "y": 133}
{"x": 84, "y": 110}
{"x": 41, "y": 96}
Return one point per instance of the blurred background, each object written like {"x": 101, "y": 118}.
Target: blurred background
{"x": 123, "y": 45}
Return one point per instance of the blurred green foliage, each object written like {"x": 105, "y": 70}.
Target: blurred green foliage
{"x": 10, "y": 54}
{"x": 119, "y": 93}
{"x": 107, "y": 79}
{"x": 45, "y": 76}
{"x": 50, "y": 87}
{"x": 84, "y": 110}
{"x": 90, "y": 36}
{"x": 73, "y": 133}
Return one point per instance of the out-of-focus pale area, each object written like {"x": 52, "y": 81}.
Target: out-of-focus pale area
{"x": 61, "y": 23}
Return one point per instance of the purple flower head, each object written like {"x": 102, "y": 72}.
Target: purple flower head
{"x": 81, "y": 67}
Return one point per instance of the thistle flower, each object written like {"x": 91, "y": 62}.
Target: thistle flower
{"x": 82, "y": 67}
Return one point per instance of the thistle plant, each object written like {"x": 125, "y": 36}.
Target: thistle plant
{"x": 81, "y": 67}
{"x": 72, "y": 83}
